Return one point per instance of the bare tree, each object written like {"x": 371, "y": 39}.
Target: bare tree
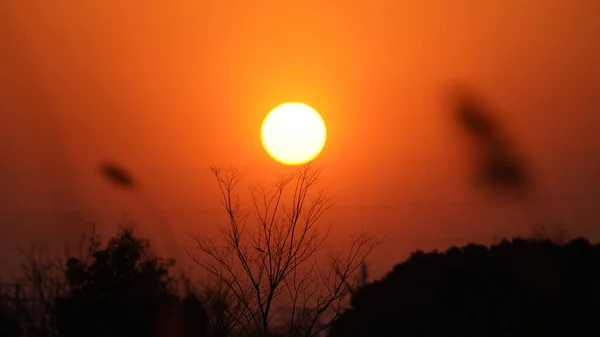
{"x": 43, "y": 279}
{"x": 223, "y": 310}
{"x": 271, "y": 261}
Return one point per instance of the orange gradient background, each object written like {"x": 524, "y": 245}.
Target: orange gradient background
{"x": 168, "y": 89}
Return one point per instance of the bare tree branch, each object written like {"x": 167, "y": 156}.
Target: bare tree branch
{"x": 271, "y": 262}
{"x": 43, "y": 280}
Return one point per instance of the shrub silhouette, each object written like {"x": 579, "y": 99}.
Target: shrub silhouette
{"x": 125, "y": 291}
{"x": 523, "y": 287}
{"x": 9, "y": 323}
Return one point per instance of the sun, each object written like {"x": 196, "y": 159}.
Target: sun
{"x": 293, "y": 133}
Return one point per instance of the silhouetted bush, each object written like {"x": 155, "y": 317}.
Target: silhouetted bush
{"x": 9, "y": 322}
{"x": 523, "y": 287}
{"x": 126, "y": 292}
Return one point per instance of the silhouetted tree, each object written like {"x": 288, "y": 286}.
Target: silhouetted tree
{"x": 9, "y": 320}
{"x": 273, "y": 261}
{"x": 124, "y": 291}
{"x": 523, "y": 287}
{"x": 194, "y": 319}
{"x": 41, "y": 281}
{"x": 224, "y": 312}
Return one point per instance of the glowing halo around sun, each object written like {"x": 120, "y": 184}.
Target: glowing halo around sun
{"x": 293, "y": 133}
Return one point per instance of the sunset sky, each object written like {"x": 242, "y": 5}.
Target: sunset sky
{"x": 168, "y": 88}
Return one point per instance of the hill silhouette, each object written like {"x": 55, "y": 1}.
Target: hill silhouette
{"x": 522, "y": 287}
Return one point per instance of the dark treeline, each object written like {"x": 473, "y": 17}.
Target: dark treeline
{"x": 519, "y": 287}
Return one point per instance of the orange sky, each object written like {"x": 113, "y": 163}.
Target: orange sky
{"x": 168, "y": 89}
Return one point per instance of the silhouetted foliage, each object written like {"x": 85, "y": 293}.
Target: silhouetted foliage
{"x": 126, "y": 291}
{"x": 194, "y": 318}
{"x": 523, "y": 287}
{"x": 9, "y": 320}
{"x": 118, "y": 293}
{"x": 223, "y": 311}
{"x": 42, "y": 280}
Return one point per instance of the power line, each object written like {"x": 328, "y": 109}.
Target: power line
{"x": 397, "y": 205}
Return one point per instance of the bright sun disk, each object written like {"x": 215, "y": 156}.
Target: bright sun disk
{"x": 293, "y": 133}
